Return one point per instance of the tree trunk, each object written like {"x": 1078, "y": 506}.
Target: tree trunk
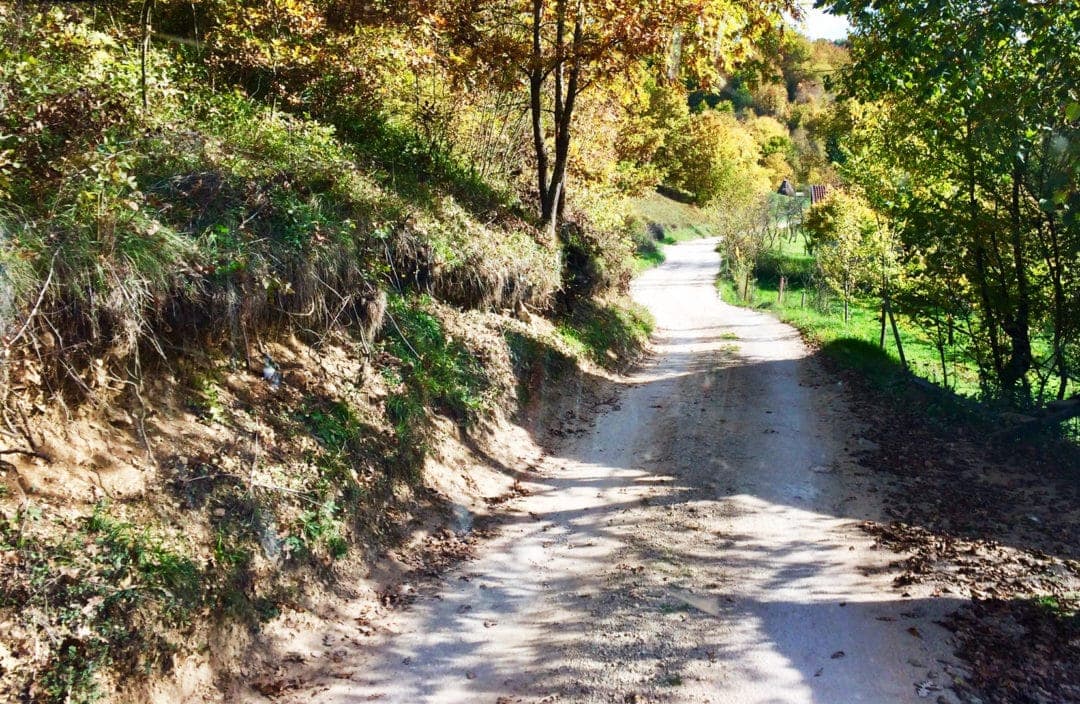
{"x": 146, "y": 19}
{"x": 566, "y": 74}
{"x": 565, "y": 98}
{"x": 884, "y": 296}
{"x": 940, "y": 343}
{"x": 1055, "y": 266}
{"x": 847, "y": 297}
{"x": 1018, "y": 329}
{"x": 536, "y": 108}
{"x": 981, "y": 274}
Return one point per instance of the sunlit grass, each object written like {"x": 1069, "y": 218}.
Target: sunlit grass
{"x": 824, "y": 326}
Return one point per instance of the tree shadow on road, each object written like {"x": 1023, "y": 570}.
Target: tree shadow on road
{"x": 664, "y": 617}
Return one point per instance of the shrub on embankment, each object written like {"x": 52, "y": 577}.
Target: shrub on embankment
{"x": 208, "y": 216}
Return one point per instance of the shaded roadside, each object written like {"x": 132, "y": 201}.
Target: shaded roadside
{"x": 980, "y": 516}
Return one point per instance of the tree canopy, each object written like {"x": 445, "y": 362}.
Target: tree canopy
{"x": 560, "y": 48}
{"x": 968, "y": 138}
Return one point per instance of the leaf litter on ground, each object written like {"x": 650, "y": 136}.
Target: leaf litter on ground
{"x": 995, "y": 524}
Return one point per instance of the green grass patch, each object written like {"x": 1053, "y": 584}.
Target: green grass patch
{"x": 855, "y": 343}
{"x": 686, "y": 233}
{"x": 667, "y": 212}
{"x": 610, "y": 334}
{"x": 334, "y": 424}
{"x": 657, "y": 220}
{"x": 92, "y": 586}
{"x": 340, "y": 495}
{"x": 416, "y": 168}
{"x": 649, "y": 253}
{"x": 1064, "y": 607}
{"x": 647, "y": 259}
{"x": 790, "y": 260}
{"x": 436, "y": 369}
{"x": 149, "y": 567}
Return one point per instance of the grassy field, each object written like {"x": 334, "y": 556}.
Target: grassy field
{"x": 855, "y": 342}
{"x": 671, "y": 214}
{"x": 819, "y": 317}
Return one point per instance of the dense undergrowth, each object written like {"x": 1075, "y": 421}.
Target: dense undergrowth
{"x": 211, "y": 212}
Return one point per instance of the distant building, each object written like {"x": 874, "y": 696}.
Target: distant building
{"x": 817, "y": 194}
{"x": 786, "y": 189}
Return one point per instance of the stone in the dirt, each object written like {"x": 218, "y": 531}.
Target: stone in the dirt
{"x": 925, "y": 688}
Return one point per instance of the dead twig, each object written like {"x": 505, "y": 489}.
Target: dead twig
{"x": 37, "y": 304}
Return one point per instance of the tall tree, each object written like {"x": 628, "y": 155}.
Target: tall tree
{"x": 558, "y": 49}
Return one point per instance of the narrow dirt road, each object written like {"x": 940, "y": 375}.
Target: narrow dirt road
{"x": 697, "y": 543}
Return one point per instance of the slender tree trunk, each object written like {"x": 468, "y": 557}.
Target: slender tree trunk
{"x": 847, "y": 297}
{"x": 884, "y": 297}
{"x": 940, "y": 341}
{"x": 1018, "y": 330}
{"x": 981, "y": 271}
{"x": 536, "y": 109}
{"x": 1055, "y": 267}
{"x": 565, "y": 98}
{"x": 896, "y": 336}
{"x": 566, "y": 76}
{"x": 554, "y": 193}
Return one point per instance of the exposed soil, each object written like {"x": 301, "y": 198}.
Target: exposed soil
{"x": 692, "y": 535}
{"x": 207, "y": 459}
